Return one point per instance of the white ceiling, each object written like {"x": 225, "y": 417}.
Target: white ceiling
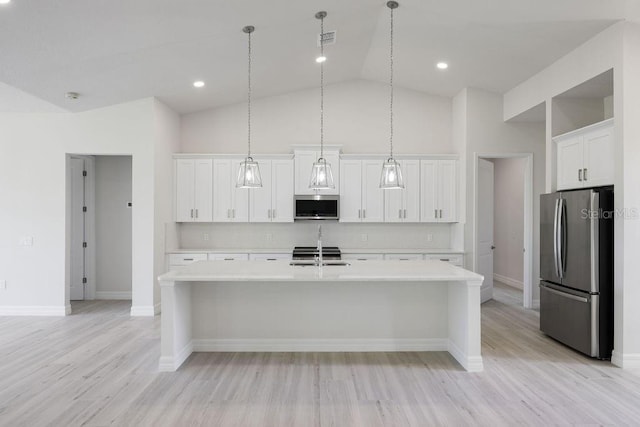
{"x": 113, "y": 51}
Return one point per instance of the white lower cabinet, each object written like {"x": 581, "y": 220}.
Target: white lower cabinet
{"x": 177, "y": 261}
{"x": 455, "y": 259}
{"x": 229, "y": 257}
{"x": 403, "y": 257}
{"x": 270, "y": 257}
{"x": 362, "y": 257}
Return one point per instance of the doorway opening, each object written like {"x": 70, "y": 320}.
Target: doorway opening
{"x": 99, "y": 227}
{"x": 503, "y": 236}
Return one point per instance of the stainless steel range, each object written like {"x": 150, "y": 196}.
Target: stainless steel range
{"x": 311, "y": 253}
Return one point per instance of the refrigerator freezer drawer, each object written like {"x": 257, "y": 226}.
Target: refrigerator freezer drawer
{"x": 570, "y": 317}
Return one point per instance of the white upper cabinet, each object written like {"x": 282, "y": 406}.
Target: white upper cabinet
{"x": 193, "y": 190}
{"x": 361, "y": 199}
{"x": 404, "y": 205}
{"x": 304, "y": 159}
{"x": 274, "y": 201}
{"x": 230, "y": 204}
{"x": 438, "y": 190}
{"x": 585, "y": 157}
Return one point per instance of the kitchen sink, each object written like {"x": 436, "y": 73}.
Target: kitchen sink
{"x": 304, "y": 263}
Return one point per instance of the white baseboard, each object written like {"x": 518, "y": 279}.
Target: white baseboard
{"x": 35, "y": 310}
{"x": 113, "y": 295}
{"x": 142, "y": 310}
{"x": 508, "y": 281}
{"x": 320, "y": 345}
{"x": 470, "y": 363}
{"x": 171, "y": 364}
{"x": 626, "y": 361}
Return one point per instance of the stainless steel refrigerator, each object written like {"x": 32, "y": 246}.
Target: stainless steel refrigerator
{"x": 576, "y": 269}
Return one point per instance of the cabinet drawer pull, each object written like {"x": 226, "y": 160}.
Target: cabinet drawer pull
{"x": 228, "y": 259}
{"x": 187, "y": 259}
{"x": 584, "y": 174}
{"x": 271, "y": 259}
{"x": 579, "y": 174}
{"x": 445, "y": 259}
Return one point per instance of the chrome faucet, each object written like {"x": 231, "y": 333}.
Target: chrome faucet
{"x": 320, "y": 245}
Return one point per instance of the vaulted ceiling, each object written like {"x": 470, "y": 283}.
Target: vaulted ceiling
{"x": 113, "y": 51}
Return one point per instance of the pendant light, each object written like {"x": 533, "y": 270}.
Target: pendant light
{"x": 391, "y": 178}
{"x": 249, "y": 171}
{"x": 321, "y": 176}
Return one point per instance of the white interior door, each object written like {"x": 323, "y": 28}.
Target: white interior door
{"x": 77, "y": 229}
{"x": 485, "y": 227}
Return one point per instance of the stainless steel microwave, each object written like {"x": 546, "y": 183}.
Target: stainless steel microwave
{"x": 316, "y": 207}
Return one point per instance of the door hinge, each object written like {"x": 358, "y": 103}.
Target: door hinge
{"x": 84, "y": 173}
{"x": 84, "y": 280}
{"x": 84, "y": 244}
{"x": 84, "y": 209}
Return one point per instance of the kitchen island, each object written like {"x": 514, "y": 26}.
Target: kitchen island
{"x": 363, "y": 306}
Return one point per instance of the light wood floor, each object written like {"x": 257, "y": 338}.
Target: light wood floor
{"x": 98, "y": 367}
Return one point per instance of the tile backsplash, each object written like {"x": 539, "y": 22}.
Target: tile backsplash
{"x": 304, "y": 233}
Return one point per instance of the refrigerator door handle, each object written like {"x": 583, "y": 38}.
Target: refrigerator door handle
{"x": 566, "y": 295}
{"x": 555, "y": 238}
{"x": 561, "y": 231}
{"x": 593, "y": 217}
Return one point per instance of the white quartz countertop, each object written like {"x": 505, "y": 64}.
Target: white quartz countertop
{"x": 381, "y": 271}
{"x": 343, "y": 250}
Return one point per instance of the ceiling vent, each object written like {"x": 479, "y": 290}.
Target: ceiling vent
{"x": 328, "y": 38}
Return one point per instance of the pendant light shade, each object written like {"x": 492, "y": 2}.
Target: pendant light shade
{"x": 249, "y": 171}
{"x": 321, "y": 175}
{"x": 249, "y": 174}
{"x": 391, "y": 175}
{"x": 391, "y": 178}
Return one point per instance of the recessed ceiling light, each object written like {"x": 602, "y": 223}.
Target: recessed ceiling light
{"x": 5, "y": 1}
{"x": 70, "y": 95}
{"x": 199, "y": 83}
{"x": 321, "y": 59}
{"x": 442, "y": 65}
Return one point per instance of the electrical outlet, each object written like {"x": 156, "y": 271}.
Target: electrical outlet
{"x": 205, "y": 237}
{"x": 26, "y": 241}
{"x": 3, "y": 285}
{"x": 269, "y": 236}
{"x": 429, "y": 237}
{"x": 364, "y": 237}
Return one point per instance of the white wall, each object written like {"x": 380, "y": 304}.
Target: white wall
{"x": 617, "y": 48}
{"x": 33, "y": 150}
{"x": 113, "y": 227}
{"x": 356, "y": 115}
{"x": 508, "y": 225}
{"x": 488, "y": 134}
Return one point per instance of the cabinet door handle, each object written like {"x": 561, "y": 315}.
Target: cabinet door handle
{"x": 435, "y": 213}
{"x": 405, "y": 214}
{"x": 359, "y": 213}
{"x": 584, "y": 174}
{"x": 364, "y": 213}
{"x": 269, "y": 213}
{"x": 196, "y": 213}
{"x": 579, "y": 174}
{"x": 440, "y": 213}
{"x": 233, "y": 213}
{"x": 400, "y": 213}
{"x": 228, "y": 213}
{"x": 273, "y": 213}
{"x": 191, "y": 213}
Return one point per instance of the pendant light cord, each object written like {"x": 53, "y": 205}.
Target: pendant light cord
{"x": 249, "y": 99}
{"x": 391, "y": 88}
{"x": 322, "y": 88}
